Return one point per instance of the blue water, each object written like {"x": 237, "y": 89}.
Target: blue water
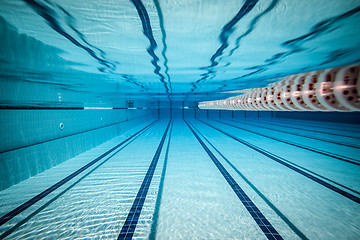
{"x": 170, "y": 49}
{"x": 100, "y": 137}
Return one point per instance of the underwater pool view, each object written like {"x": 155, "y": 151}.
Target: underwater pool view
{"x": 105, "y": 134}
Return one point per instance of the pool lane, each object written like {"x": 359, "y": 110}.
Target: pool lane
{"x": 155, "y": 218}
{"x": 128, "y": 229}
{"x": 197, "y": 201}
{"x": 336, "y": 139}
{"x": 30, "y": 194}
{"x": 328, "y": 126}
{"x": 98, "y": 205}
{"x": 341, "y": 152}
{"x": 8, "y": 216}
{"x": 269, "y": 231}
{"x": 290, "y": 165}
{"x": 254, "y": 188}
{"x": 302, "y": 128}
{"x": 343, "y": 175}
{"x": 179, "y": 193}
{"x": 317, "y": 211}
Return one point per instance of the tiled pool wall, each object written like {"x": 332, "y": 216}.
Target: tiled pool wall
{"x": 35, "y": 140}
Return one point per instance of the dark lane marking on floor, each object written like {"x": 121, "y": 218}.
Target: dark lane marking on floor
{"x": 129, "y": 226}
{"x": 259, "y": 218}
{"x": 46, "y": 192}
{"x": 155, "y": 218}
{"x": 325, "y": 178}
{"x": 14, "y": 228}
{"x": 267, "y": 201}
{"x": 302, "y": 129}
{"x": 285, "y": 163}
{"x": 322, "y": 126}
{"x": 306, "y": 136}
{"x": 328, "y": 154}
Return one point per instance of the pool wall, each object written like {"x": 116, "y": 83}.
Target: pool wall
{"x": 33, "y": 141}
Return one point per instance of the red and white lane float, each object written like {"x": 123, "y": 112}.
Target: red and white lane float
{"x": 335, "y": 89}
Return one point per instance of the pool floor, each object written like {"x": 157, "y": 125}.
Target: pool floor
{"x": 198, "y": 179}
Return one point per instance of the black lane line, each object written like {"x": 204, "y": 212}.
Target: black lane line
{"x": 267, "y": 201}
{"x": 53, "y": 139}
{"x": 155, "y": 218}
{"x": 46, "y": 192}
{"x": 304, "y": 129}
{"x": 322, "y": 177}
{"x": 129, "y": 226}
{"x": 14, "y": 228}
{"x": 319, "y": 125}
{"x": 306, "y": 136}
{"x": 284, "y": 163}
{"x": 328, "y": 154}
{"x": 259, "y": 218}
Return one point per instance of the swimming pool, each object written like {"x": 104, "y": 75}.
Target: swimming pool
{"x": 101, "y": 136}
{"x": 204, "y": 178}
